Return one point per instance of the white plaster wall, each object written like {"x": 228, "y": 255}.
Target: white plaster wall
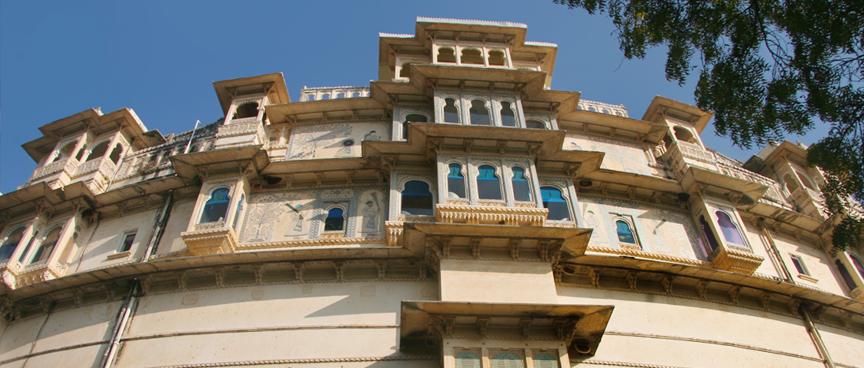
{"x": 496, "y": 281}
{"x": 817, "y": 262}
{"x": 620, "y": 155}
{"x": 659, "y": 229}
{"x": 296, "y": 321}
{"x": 845, "y": 347}
{"x": 108, "y": 235}
{"x": 693, "y": 333}
{"x": 56, "y": 332}
{"x": 181, "y": 214}
{"x": 329, "y": 140}
{"x": 759, "y": 244}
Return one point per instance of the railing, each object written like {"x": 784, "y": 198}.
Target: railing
{"x": 601, "y": 107}
{"x": 88, "y": 167}
{"x": 694, "y": 152}
{"x": 332, "y": 93}
{"x": 69, "y": 165}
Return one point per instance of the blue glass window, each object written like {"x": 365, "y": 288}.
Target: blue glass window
{"x": 521, "y": 188}
{"x": 507, "y": 360}
{"x": 545, "y": 360}
{"x": 467, "y": 359}
{"x": 417, "y": 199}
{"x": 479, "y": 113}
{"x": 216, "y": 207}
{"x": 730, "y": 231}
{"x": 451, "y": 113}
{"x": 335, "y": 220}
{"x": 488, "y": 185}
{"x": 556, "y": 204}
{"x": 10, "y": 244}
{"x": 456, "y": 181}
{"x": 47, "y": 246}
{"x": 508, "y": 118}
{"x": 625, "y": 233}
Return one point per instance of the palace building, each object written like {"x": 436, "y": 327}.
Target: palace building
{"x": 457, "y": 212}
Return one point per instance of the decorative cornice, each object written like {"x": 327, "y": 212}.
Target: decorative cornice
{"x": 648, "y": 255}
{"x": 334, "y": 241}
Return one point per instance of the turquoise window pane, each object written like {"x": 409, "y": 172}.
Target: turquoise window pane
{"x": 625, "y": 234}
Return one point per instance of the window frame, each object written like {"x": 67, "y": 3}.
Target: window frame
{"x": 209, "y": 197}
{"x": 23, "y": 228}
{"x": 465, "y": 180}
{"x": 31, "y": 258}
{"x": 134, "y": 234}
{"x": 565, "y": 196}
{"x": 345, "y": 217}
{"x": 401, "y": 188}
{"x": 526, "y": 174}
{"x": 498, "y": 172}
{"x": 628, "y": 220}
{"x": 736, "y": 223}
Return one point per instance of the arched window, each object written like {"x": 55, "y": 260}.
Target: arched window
{"x": 508, "y": 118}
{"x": 507, "y": 360}
{"x": 467, "y": 359}
{"x": 805, "y": 181}
{"x": 684, "y": 134}
{"x": 451, "y": 113}
{"x": 115, "y": 153}
{"x": 325, "y": 96}
{"x": 216, "y": 206}
{"x": 446, "y": 55}
{"x": 80, "y": 154}
{"x": 667, "y": 142}
{"x": 65, "y": 151}
{"x": 521, "y": 187}
{"x": 417, "y": 199}
{"x": 310, "y": 98}
{"x": 855, "y": 262}
{"x": 239, "y": 212}
{"x": 791, "y": 183}
{"x": 479, "y": 113}
{"x": 47, "y": 246}
{"x": 246, "y": 110}
{"x": 555, "y": 202}
{"x": 455, "y": 181}
{"x": 355, "y": 94}
{"x": 472, "y": 56}
{"x": 535, "y": 124}
{"x": 10, "y": 244}
{"x": 335, "y": 220}
{"x": 844, "y": 273}
{"x": 340, "y": 95}
{"x": 488, "y": 183}
{"x": 592, "y": 109}
{"x": 496, "y": 57}
{"x": 403, "y": 71}
{"x": 545, "y": 360}
{"x": 412, "y": 118}
{"x": 729, "y": 229}
{"x": 625, "y": 232}
{"x": 709, "y": 234}
{"x": 98, "y": 151}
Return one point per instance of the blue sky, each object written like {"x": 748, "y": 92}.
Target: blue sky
{"x": 160, "y": 58}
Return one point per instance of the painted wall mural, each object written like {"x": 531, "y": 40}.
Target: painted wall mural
{"x": 659, "y": 229}
{"x": 298, "y": 215}
{"x": 334, "y": 140}
{"x": 620, "y": 155}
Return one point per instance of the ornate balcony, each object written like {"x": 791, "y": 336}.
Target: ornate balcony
{"x": 524, "y": 216}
